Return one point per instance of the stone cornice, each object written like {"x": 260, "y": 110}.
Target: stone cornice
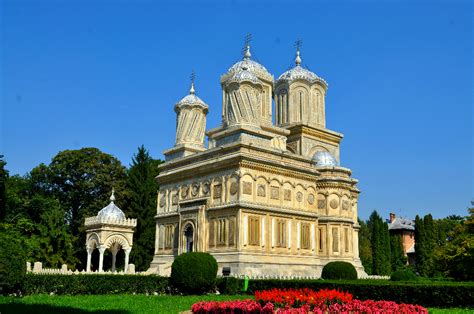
{"x": 315, "y": 132}
{"x": 324, "y": 219}
{"x": 232, "y": 157}
{"x": 259, "y": 166}
{"x": 266, "y": 209}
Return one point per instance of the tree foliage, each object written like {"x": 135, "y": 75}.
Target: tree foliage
{"x": 425, "y": 244}
{"x": 380, "y": 241}
{"x": 81, "y": 180}
{"x": 397, "y": 255}
{"x": 456, "y": 257}
{"x": 143, "y": 188}
{"x": 365, "y": 247}
{"x": 3, "y": 180}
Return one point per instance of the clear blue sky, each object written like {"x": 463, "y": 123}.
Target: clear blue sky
{"x": 107, "y": 74}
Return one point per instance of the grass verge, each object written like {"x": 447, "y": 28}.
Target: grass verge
{"x": 124, "y": 304}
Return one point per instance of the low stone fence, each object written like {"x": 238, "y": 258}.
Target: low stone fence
{"x": 37, "y": 268}
{"x": 261, "y": 277}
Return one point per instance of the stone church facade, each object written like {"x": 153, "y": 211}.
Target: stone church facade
{"x": 268, "y": 195}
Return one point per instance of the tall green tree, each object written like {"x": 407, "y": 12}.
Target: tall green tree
{"x": 456, "y": 257}
{"x": 81, "y": 180}
{"x": 398, "y": 258}
{"x": 365, "y": 247}
{"x": 142, "y": 205}
{"x": 380, "y": 240}
{"x": 421, "y": 254}
{"x": 40, "y": 221}
{"x": 425, "y": 245}
{"x": 3, "y": 179}
{"x": 54, "y": 244}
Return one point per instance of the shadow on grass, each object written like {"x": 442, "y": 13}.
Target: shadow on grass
{"x": 21, "y": 308}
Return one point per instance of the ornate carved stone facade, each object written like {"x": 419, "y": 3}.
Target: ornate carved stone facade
{"x": 262, "y": 198}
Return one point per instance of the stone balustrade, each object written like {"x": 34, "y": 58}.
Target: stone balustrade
{"x": 296, "y": 277}
{"x": 39, "y": 270}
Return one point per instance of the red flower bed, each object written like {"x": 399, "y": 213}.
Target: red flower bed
{"x": 296, "y": 298}
{"x": 375, "y": 307}
{"x": 299, "y": 301}
{"x": 234, "y": 307}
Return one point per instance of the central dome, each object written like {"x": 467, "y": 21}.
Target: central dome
{"x": 248, "y": 65}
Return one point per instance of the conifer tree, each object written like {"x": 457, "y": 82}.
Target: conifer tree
{"x": 142, "y": 206}
{"x": 380, "y": 241}
{"x": 3, "y": 179}
{"x": 385, "y": 268}
{"x": 420, "y": 247}
{"x": 397, "y": 255}
{"x": 365, "y": 247}
{"x": 430, "y": 244}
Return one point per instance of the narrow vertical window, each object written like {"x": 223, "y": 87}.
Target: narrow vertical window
{"x": 346, "y": 240}
{"x": 254, "y": 230}
{"x": 335, "y": 240}
{"x": 321, "y": 240}
{"x": 305, "y": 236}
{"x": 281, "y": 233}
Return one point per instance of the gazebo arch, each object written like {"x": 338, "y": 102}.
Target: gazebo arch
{"x": 109, "y": 230}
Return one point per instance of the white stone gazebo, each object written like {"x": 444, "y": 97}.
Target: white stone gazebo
{"x": 109, "y": 230}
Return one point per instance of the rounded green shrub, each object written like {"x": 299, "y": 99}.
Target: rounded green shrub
{"x": 403, "y": 275}
{"x": 194, "y": 273}
{"x": 339, "y": 270}
{"x": 12, "y": 262}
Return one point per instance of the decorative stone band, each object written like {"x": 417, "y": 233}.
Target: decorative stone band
{"x": 128, "y": 222}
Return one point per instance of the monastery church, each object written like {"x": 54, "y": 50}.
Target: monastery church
{"x": 267, "y": 196}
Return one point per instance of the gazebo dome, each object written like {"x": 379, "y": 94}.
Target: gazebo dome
{"x": 300, "y": 73}
{"x": 324, "y": 159}
{"x": 111, "y": 211}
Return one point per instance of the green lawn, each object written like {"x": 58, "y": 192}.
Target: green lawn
{"x": 120, "y": 304}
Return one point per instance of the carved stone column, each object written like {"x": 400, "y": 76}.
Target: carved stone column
{"x": 89, "y": 257}
{"x": 127, "y": 254}
{"x": 101, "y": 258}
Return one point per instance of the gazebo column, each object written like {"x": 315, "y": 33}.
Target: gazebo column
{"x": 101, "y": 258}
{"x": 127, "y": 254}
{"x": 89, "y": 257}
{"x": 114, "y": 250}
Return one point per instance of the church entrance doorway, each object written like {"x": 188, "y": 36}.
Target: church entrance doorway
{"x": 189, "y": 238}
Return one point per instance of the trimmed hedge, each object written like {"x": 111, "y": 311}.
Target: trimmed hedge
{"x": 94, "y": 284}
{"x": 339, "y": 270}
{"x": 403, "y": 275}
{"x": 12, "y": 262}
{"x": 433, "y": 294}
{"x": 194, "y": 273}
{"x": 229, "y": 285}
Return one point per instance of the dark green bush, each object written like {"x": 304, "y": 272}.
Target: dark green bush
{"x": 194, "y": 273}
{"x": 339, "y": 270}
{"x": 229, "y": 285}
{"x": 93, "y": 284}
{"x": 428, "y": 294}
{"x": 12, "y": 262}
{"x": 403, "y": 275}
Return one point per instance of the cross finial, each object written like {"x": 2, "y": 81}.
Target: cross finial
{"x": 246, "y": 49}
{"x": 112, "y": 197}
{"x": 298, "y": 44}
{"x": 192, "y": 77}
